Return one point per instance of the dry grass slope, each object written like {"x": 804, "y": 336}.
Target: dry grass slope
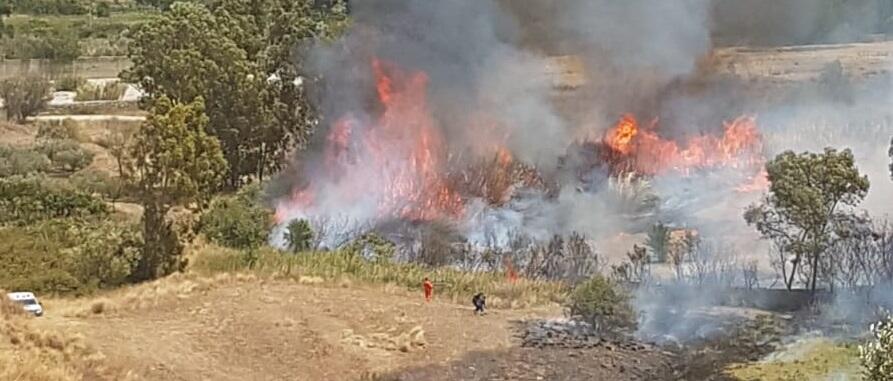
{"x": 29, "y": 353}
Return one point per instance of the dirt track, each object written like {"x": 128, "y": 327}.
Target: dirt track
{"x": 257, "y": 330}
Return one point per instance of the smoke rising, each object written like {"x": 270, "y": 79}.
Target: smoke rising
{"x": 465, "y": 82}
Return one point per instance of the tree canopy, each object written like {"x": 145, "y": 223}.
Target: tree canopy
{"x": 239, "y": 56}
{"x": 810, "y": 196}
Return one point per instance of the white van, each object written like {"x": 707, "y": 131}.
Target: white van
{"x": 28, "y": 302}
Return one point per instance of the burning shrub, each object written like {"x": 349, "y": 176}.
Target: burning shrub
{"x": 877, "y": 355}
{"x": 600, "y": 302}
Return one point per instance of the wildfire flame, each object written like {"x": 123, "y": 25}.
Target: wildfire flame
{"x": 646, "y": 152}
{"x": 398, "y": 159}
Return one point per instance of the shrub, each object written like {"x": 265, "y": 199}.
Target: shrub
{"x": 601, "y": 303}
{"x": 66, "y": 130}
{"x": 299, "y": 236}
{"x": 66, "y": 155}
{"x": 877, "y": 355}
{"x": 24, "y": 97}
{"x": 102, "y": 9}
{"x": 21, "y": 162}
{"x": 99, "y": 182}
{"x": 56, "y": 45}
{"x": 108, "y": 91}
{"x": 26, "y": 200}
{"x": 51, "y": 7}
{"x": 239, "y": 222}
{"x": 68, "y": 256}
{"x": 69, "y": 83}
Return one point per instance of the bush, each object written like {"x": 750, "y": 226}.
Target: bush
{"x": 53, "y": 45}
{"x": 877, "y": 355}
{"x": 21, "y": 162}
{"x": 299, "y": 236}
{"x": 68, "y": 256}
{"x": 51, "y": 7}
{"x": 239, "y": 222}
{"x": 102, "y": 9}
{"x": 24, "y": 97}
{"x": 66, "y": 155}
{"x": 601, "y": 303}
{"x": 26, "y": 200}
{"x": 108, "y": 91}
{"x": 67, "y": 130}
{"x": 99, "y": 182}
{"x": 69, "y": 83}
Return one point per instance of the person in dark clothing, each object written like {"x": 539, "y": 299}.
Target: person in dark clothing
{"x": 479, "y": 301}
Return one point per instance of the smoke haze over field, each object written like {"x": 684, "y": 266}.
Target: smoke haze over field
{"x": 479, "y": 67}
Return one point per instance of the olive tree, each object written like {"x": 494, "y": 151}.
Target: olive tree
{"x": 810, "y": 196}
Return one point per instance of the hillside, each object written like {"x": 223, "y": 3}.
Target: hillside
{"x": 241, "y": 328}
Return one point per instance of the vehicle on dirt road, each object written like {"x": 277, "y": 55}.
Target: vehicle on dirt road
{"x": 28, "y": 301}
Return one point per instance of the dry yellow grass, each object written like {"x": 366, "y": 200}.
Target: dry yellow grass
{"x": 32, "y": 354}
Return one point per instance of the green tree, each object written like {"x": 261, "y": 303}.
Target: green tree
{"x": 239, "y": 221}
{"x": 299, "y": 236}
{"x": 810, "y": 196}
{"x": 175, "y": 163}
{"x": 24, "y": 97}
{"x": 659, "y": 241}
{"x": 237, "y": 55}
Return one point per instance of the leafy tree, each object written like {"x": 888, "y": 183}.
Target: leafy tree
{"x": 877, "y": 355}
{"x": 299, "y": 236}
{"x": 238, "y": 56}
{"x": 810, "y": 196}
{"x": 24, "y": 97}
{"x": 175, "y": 163}
{"x": 659, "y": 241}
{"x": 239, "y": 221}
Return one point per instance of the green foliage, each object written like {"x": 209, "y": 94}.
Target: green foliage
{"x": 299, "y": 236}
{"x": 66, "y": 155}
{"x": 659, "y": 241}
{"x": 21, "y": 162}
{"x": 162, "y": 5}
{"x": 174, "y": 163}
{"x": 37, "y": 39}
{"x": 239, "y": 222}
{"x": 24, "y": 97}
{"x": 108, "y": 91}
{"x": 877, "y": 355}
{"x": 51, "y": 7}
{"x": 68, "y": 83}
{"x": 225, "y": 54}
{"x": 99, "y": 182}
{"x": 810, "y": 196}
{"x": 601, "y": 303}
{"x": 102, "y": 9}
{"x": 67, "y": 256}
{"x": 26, "y": 200}
{"x": 67, "y": 130}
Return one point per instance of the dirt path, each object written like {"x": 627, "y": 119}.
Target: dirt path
{"x": 287, "y": 331}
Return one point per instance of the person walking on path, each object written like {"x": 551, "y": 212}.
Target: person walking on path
{"x": 429, "y": 289}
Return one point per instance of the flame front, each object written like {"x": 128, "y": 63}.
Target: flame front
{"x": 396, "y": 161}
{"x": 644, "y": 151}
